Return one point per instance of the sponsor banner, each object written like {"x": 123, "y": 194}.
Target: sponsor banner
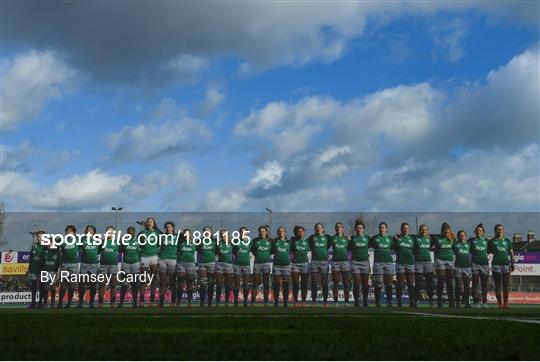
{"x": 527, "y": 258}
{"x": 517, "y": 298}
{"x": 8, "y": 257}
{"x": 16, "y": 297}
{"x": 526, "y": 269}
{"x": 23, "y": 257}
{"x": 13, "y": 268}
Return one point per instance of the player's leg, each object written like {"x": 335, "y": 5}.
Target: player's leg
{"x": 314, "y": 282}
{"x": 295, "y": 278}
{"x": 400, "y": 281}
{"x": 459, "y": 290}
{"x": 356, "y": 287}
{"x": 409, "y": 279}
{"x": 285, "y": 282}
{"x": 247, "y": 281}
{"x": 190, "y": 282}
{"x": 364, "y": 280}
{"x": 441, "y": 277}
{"x": 171, "y": 277}
{"x": 475, "y": 285}
{"x": 335, "y": 285}
{"x": 227, "y": 278}
{"x": 506, "y": 288}
{"x": 497, "y": 281}
{"x": 324, "y": 283}
{"x": 219, "y": 285}
{"x": 203, "y": 286}
{"x": 450, "y": 286}
{"x": 388, "y": 279}
{"x": 163, "y": 283}
{"x": 211, "y": 284}
{"x": 153, "y": 284}
{"x": 236, "y": 283}
{"x": 419, "y": 282}
{"x": 143, "y": 286}
{"x": 256, "y": 283}
{"x": 345, "y": 279}
{"x": 277, "y": 286}
{"x": 483, "y": 285}
{"x": 181, "y": 284}
{"x": 266, "y": 286}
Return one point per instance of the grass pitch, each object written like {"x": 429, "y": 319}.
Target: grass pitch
{"x": 265, "y": 333}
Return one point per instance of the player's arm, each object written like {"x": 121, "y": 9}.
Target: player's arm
{"x": 511, "y": 253}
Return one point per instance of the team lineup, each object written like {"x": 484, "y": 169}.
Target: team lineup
{"x": 218, "y": 266}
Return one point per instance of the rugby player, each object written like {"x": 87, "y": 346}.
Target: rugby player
{"x": 89, "y": 265}
{"x": 168, "y": 252}
{"x": 185, "y": 268}
{"x": 224, "y": 267}
{"x": 131, "y": 254}
{"x": 69, "y": 251}
{"x": 340, "y": 263}
{"x": 300, "y": 264}
{"x": 108, "y": 261}
{"x": 463, "y": 273}
{"x": 35, "y": 264}
{"x": 502, "y": 264}
{"x": 281, "y": 271}
{"x": 149, "y": 238}
{"x": 480, "y": 266}
{"x": 207, "y": 264}
{"x": 242, "y": 266}
{"x": 403, "y": 245}
{"x": 383, "y": 265}
{"x": 360, "y": 268}
{"x": 444, "y": 264}
{"x": 423, "y": 266}
{"x": 51, "y": 263}
{"x": 261, "y": 249}
{"x": 319, "y": 243}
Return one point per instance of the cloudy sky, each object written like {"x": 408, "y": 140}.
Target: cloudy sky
{"x": 180, "y": 106}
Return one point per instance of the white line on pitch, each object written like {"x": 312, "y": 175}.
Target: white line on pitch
{"x": 509, "y": 319}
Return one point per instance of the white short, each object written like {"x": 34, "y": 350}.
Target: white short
{"x": 128, "y": 268}
{"x": 147, "y": 261}
{"x": 167, "y": 265}
{"x": 223, "y": 267}
{"x": 360, "y": 267}
{"x": 480, "y": 269}
{"x": 284, "y": 270}
{"x": 89, "y": 268}
{"x": 242, "y": 269}
{"x": 444, "y": 264}
{"x": 404, "y": 268}
{"x": 302, "y": 268}
{"x": 319, "y": 266}
{"x": 186, "y": 267}
{"x": 261, "y": 268}
{"x": 463, "y": 272}
{"x": 383, "y": 267}
{"x": 108, "y": 269}
{"x": 505, "y": 269}
{"x": 342, "y": 266}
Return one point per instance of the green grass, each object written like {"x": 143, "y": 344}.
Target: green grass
{"x": 268, "y": 334}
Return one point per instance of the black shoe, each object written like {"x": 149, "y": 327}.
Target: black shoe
{"x": 440, "y": 305}
{"x": 120, "y": 305}
{"x": 67, "y": 306}
{"x": 365, "y": 305}
{"x": 39, "y": 305}
{"x": 79, "y": 306}
{"x": 91, "y": 305}
{"x": 399, "y": 305}
{"x": 59, "y": 306}
{"x": 285, "y": 304}
{"x": 31, "y": 306}
{"x": 236, "y": 304}
{"x": 389, "y": 305}
{"x": 377, "y": 305}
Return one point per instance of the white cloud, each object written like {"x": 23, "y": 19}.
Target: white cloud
{"x": 29, "y": 82}
{"x": 448, "y": 37}
{"x": 89, "y": 191}
{"x": 177, "y": 134}
{"x": 214, "y": 97}
{"x": 476, "y": 181}
{"x": 267, "y": 177}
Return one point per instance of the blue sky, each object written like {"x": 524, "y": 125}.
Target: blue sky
{"x": 297, "y": 107}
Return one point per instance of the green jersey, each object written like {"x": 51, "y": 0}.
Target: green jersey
{"x": 261, "y": 250}
{"x": 443, "y": 249}
{"x": 382, "y": 245}
{"x": 149, "y": 241}
{"x": 90, "y": 250}
{"x": 339, "y": 247}
{"x": 109, "y": 253}
{"x": 70, "y": 252}
{"x": 422, "y": 248}
{"x": 300, "y": 249}
{"x": 359, "y": 247}
{"x": 186, "y": 252}
{"x": 462, "y": 253}
{"x": 479, "y": 247}
{"x": 242, "y": 252}
{"x": 36, "y": 258}
{"x": 131, "y": 250}
{"x": 207, "y": 251}
{"x": 169, "y": 247}
{"x": 500, "y": 248}
{"x": 281, "y": 249}
{"x": 51, "y": 261}
{"x": 319, "y": 245}
{"x": 224, "y": 251}
{"x": 403, "y": 246}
